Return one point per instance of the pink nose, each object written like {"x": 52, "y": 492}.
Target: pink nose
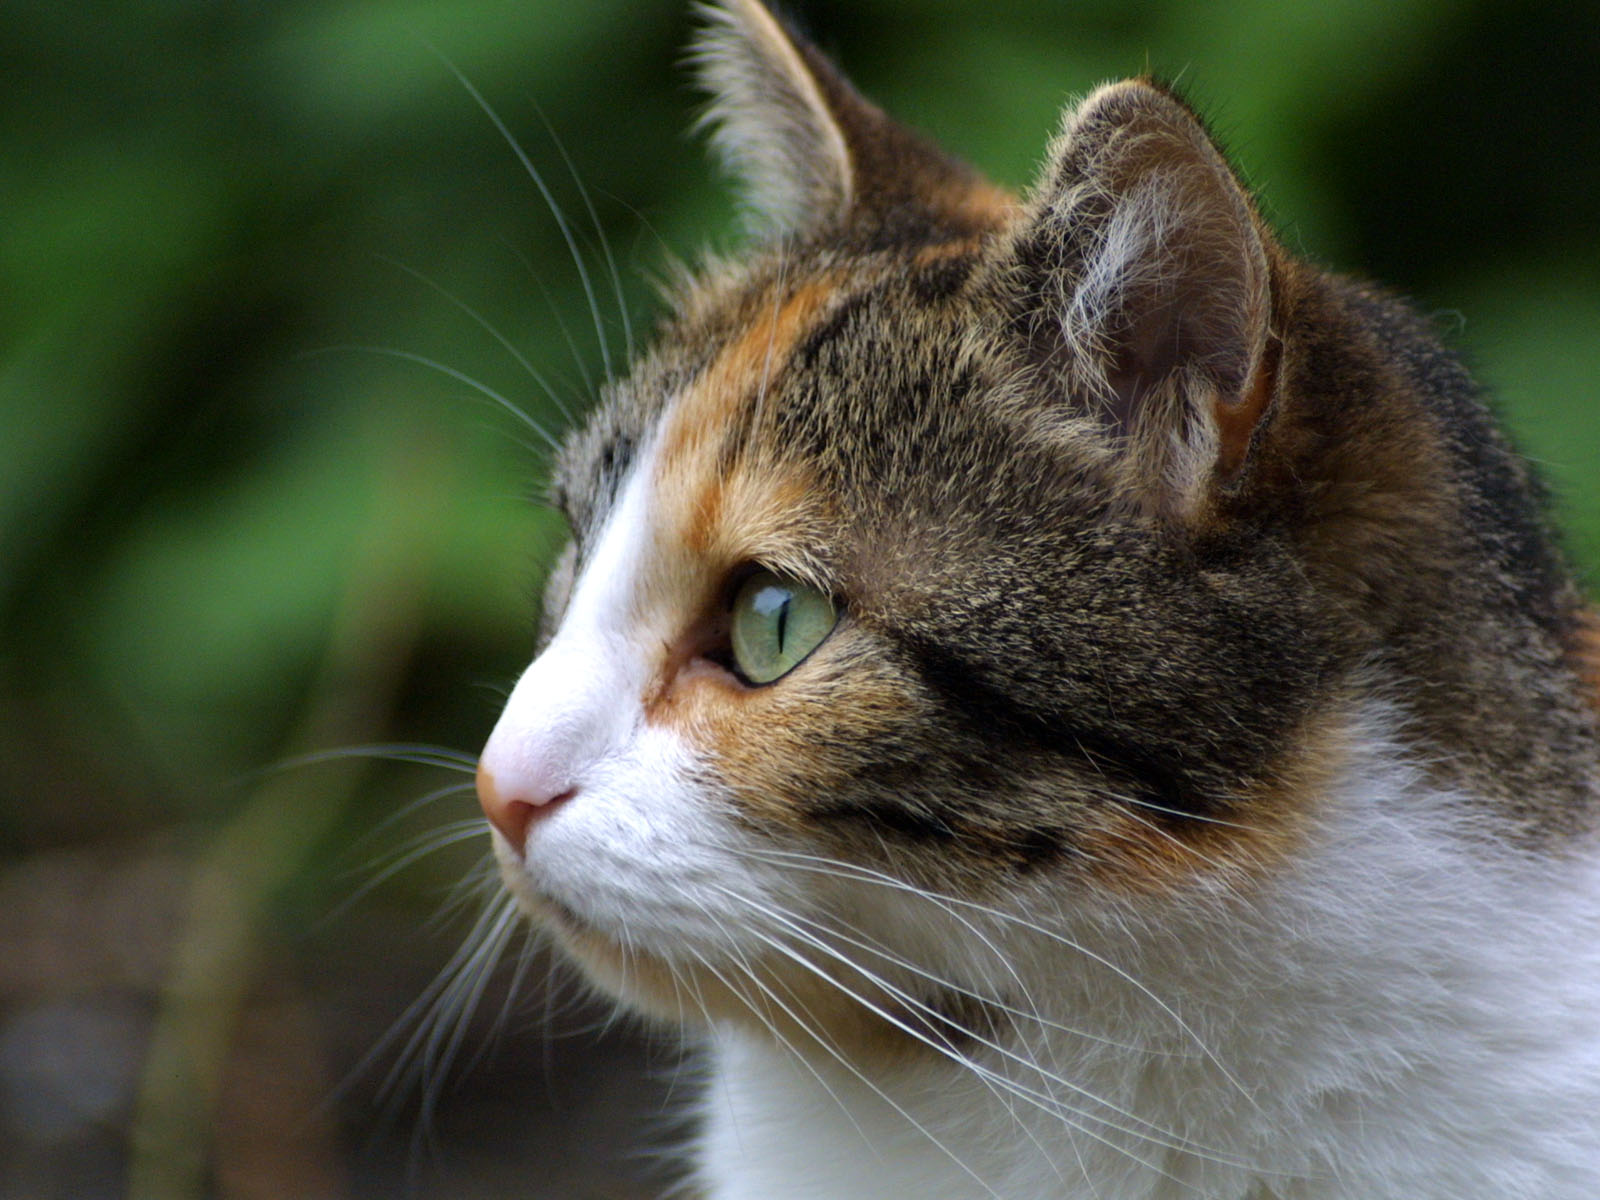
{"x": 511, "y": 814}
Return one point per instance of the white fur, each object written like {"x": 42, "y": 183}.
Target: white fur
{"x": 578, "y": 702}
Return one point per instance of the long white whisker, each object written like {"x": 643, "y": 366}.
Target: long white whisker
{"x": 398, "y": 860}
{"x": 461, "y": 377}
{"x": 503, "y": 1014}
{"x": 1003, "y": 1093}
{"x": 550, "y": 202}
{"x": 481, "y": 885}
{"x": 484, "y": 324}
{"x": 1128, "y": 805}
{"x": 860, "y": 1075}
{"x": 1031, "y": 1014}
{"x": 461, "y": 1000}
{"x": 1049, "y": 1103}
{"x": 949, "y": 903}
{"x": 401, "y": 752}
{"x": 555, "y": 315}
{"x": 812, "y": 1030}
{"x": 432, "y": 796}
{"x": 418, "y": 1015}
{"x": 599, "y": 229}
{"x": 1150, "y": 806}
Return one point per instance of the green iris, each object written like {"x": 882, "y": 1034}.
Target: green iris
{"x": 776, "y": 623}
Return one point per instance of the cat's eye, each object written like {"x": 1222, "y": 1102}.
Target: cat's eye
{"x": 776, "y": 623}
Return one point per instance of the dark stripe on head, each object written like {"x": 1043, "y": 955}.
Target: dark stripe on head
{"x": 1171, "y": 789}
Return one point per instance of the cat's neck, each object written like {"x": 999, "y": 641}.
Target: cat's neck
{"x": 1343, "y": 1033}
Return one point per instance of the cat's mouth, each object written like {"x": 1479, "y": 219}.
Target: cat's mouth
{"x": 830, "y": 1007}
{"x": 615, "y": 960}
{"x": 543, "y": 908}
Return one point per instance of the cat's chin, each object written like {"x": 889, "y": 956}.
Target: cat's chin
{"x": 795, "y": 1009}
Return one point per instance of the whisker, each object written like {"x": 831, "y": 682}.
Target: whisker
{"x": 484, "y": 324}
{"x": 401, "y": 752}
{"x": 480, "y": 886}
{"x": 812, "y": 1031}
{"x": 599, "y": 229}
{"x": 1001, "y": 1094}
{"x": 1051, "y": 1104}
{"x": 508, "y": 1002}
{"x": 555, "y": 315}
{"x": 1031, "y": 1014}
{"x": 556, "y": 212}
{"x": 449, "y": 1028}
{"x": 427, "y": 1008}
{"x": 991, "y": 1079}
{"x": 950, "y": 903}
{"x": 461, "y": 377}
{"x": 1128, "y": 804}
{"x": 1200, "y": 818}
{"x": 408, "y": 854}
{"x": 861, "y": 1075}
{"x": 411, "y": 808}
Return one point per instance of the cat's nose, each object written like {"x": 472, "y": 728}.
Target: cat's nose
{"x": 513, "y": 810}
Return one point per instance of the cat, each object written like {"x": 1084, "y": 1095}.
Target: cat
{"x": 1068, "y": 699}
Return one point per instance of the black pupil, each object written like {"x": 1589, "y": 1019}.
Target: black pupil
{"x": 783, "y": 621}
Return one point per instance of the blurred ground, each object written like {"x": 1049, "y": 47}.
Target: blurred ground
{"x": 265, "y": 271}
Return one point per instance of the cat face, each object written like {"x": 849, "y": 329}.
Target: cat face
{"x": 911, "y": 562}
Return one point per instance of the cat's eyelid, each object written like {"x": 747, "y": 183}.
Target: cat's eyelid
{"x": 805, "y": 570}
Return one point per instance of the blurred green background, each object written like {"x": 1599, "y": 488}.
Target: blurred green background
{"x": 263, "y": 268}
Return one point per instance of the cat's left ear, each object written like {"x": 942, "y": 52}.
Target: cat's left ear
{"x": 1142, "y": 280}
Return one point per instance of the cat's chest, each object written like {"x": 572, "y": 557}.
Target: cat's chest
{"x": 781, "y": 1130}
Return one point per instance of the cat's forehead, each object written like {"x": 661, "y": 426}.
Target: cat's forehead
{"x": 841, "y": 373}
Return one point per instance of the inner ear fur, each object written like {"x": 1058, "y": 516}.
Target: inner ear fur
{"x": 815, "y": 157}
{"x": 1143, "y": 285}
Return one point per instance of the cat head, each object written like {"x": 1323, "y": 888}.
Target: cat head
{"x": 922, "y": 567}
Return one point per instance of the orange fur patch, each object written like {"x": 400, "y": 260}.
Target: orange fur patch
{"x": 939, "y": 252}
{"x": 1237, "y": 417}
{"x": 717, "y": 511}
{"x": 744, "y": 369}
{"x": 986, "y": 206}
{"x": 1586, "y": 651}
{"x": 772, "y": 744}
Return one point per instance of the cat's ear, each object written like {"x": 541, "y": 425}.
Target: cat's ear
{"x": 1141, "y": 274}
{"x": 814, "y": 156}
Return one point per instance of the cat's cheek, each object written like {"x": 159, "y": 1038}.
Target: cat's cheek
{"x": 781, "y": 750}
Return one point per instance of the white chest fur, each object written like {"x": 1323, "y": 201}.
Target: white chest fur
{"x": 1406, "y": 1016}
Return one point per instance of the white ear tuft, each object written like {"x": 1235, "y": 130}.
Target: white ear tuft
{"x": 770, "y": 121}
